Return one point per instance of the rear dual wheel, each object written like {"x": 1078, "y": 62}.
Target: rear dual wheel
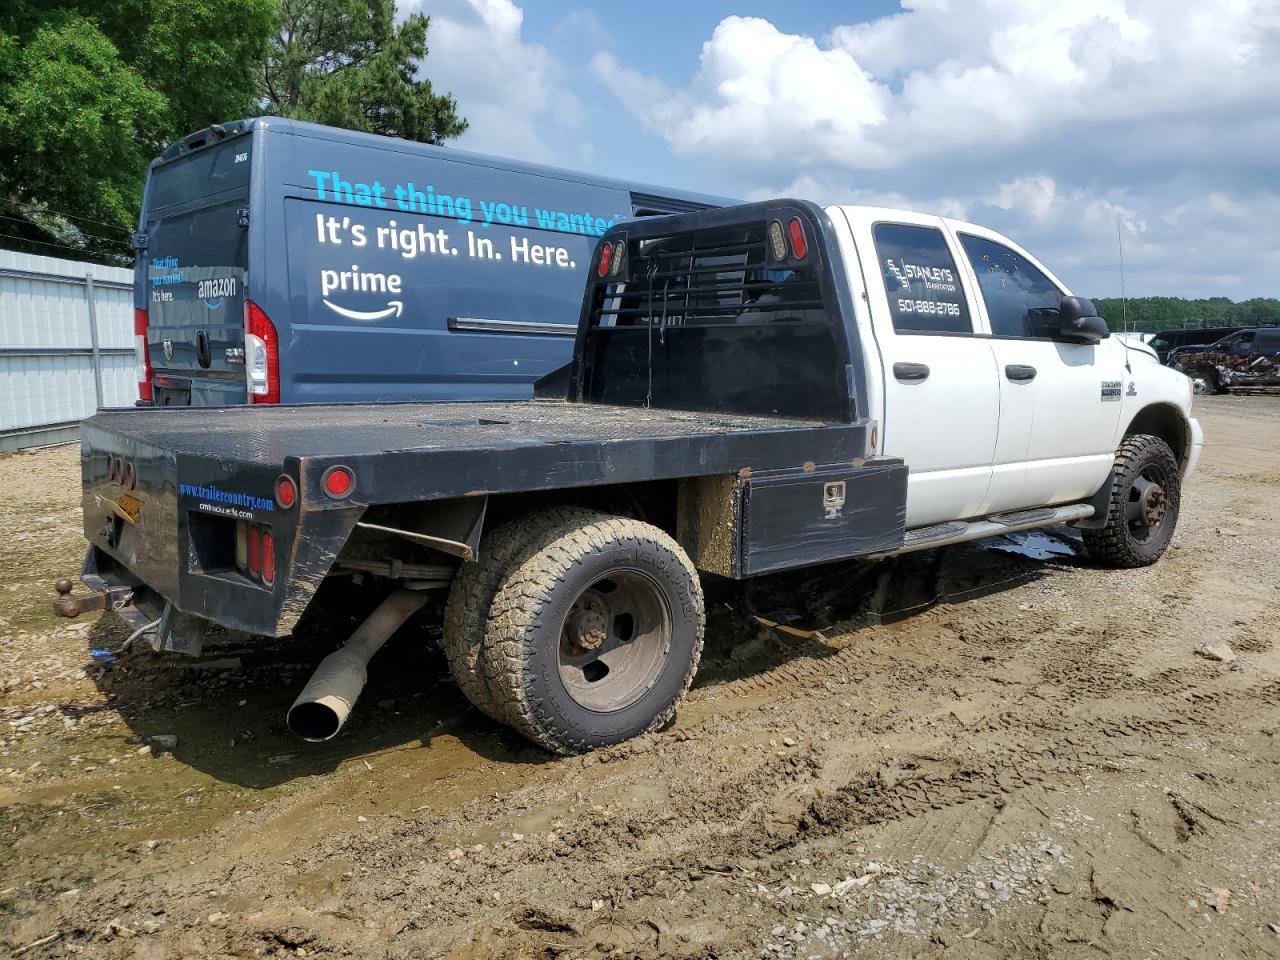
{"x": 593, "y": 633}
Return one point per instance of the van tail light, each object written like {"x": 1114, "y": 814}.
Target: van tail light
{"x": 141, "y": 355}
{"x": 261, "y": 355}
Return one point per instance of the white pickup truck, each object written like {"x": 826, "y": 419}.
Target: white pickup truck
{"x": 752, "y": 389}
{"x": 996, "y": 397}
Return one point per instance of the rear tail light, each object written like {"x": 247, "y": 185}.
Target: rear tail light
{"x": 256, "y": 552}
{"x": 261, "y": 355}
{"x": 141, "y": 356}
{"x": 619, "y": 254}
{"x": 254, "y": 542}
{"x": 606, "y": 254}
{"x": 798, "y": 245}
{"x": 268, "y": 558}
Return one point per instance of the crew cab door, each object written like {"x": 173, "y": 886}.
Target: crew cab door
{"x": 939, "y": 397}
{"x": 1060, "y": 400}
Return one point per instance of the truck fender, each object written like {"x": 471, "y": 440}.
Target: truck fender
{"x": 1163, "y": 420}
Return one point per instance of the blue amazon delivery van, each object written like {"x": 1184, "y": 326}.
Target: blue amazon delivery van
{"x": 285, "y": 262}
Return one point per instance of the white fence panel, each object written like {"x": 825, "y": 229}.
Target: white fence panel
{"x": 52, "y": 374}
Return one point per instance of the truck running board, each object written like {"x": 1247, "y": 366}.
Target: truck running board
{"x": 958, "y": 531}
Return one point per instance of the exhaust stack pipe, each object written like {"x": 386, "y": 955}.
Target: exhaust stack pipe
{"x": 331, "y": 693}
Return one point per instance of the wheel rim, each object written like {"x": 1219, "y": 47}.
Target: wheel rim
{"x": 614, "y": 641}
{"x": 1148, "y": 503}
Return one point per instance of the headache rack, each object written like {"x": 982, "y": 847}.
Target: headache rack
{"x": 716, "y": 276}
{"x": 735, "y": 309}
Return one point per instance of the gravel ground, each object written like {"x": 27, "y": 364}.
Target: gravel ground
{"x": 996, "y": 750}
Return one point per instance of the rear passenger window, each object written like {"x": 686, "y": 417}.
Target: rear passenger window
{"x": 1021, "y": 301}
{"x": 921, "y": 280}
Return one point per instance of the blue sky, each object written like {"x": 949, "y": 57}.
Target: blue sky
{"x": 1048, "y": 121}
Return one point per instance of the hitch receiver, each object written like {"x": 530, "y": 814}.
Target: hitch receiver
{"x": 71, "y": 607}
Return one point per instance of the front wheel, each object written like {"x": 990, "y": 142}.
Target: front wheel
{"x": 595, "y": 634}
{"x": 1142, "y": 512}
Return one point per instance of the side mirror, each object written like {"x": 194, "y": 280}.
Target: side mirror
{"x": 1078, "y": 320}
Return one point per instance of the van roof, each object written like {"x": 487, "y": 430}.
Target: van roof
{"x": 316, "y": 131}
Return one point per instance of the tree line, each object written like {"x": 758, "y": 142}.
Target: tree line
{"x": 1153, "y": 314}
{"x": 92, "y": 90}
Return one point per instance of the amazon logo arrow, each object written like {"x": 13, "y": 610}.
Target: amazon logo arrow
{"x": 393, "y": 306}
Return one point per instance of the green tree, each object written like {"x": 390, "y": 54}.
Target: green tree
{"x": 1153, "y": 314}
{"x": 90, "y": 91}
{"x": 347, "y": 63}
{"x": 76, "y": 125}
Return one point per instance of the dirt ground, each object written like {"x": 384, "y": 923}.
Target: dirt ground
{"x": 993, "y": 751}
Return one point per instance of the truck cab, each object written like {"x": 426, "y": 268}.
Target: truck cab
{"x": 977, "y": 386}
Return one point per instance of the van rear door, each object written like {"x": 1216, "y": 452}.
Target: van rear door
{"x": 192, "y": 271}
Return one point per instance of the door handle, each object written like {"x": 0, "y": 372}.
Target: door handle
{"x": 911, "y": 371}
{"x": 204, "y": 356}
{"x": 1020, "y": 372}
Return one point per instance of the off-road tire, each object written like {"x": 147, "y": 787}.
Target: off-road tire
{"x": 1115, "y": 545}
{"x": 530, "y": 616}
{"x": 471, "y": 595}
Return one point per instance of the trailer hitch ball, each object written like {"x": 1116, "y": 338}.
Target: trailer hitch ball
{"x": 65, "y": 605}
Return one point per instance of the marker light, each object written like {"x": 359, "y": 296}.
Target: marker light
{"x": 606, "y": 254}
{"x": 286, "y": 492}
{"x": 797, "y": 238}
{"x": 777, "y": 240}
{"x": 338, "y": 482}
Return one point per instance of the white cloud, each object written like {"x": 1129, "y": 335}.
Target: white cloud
{"x": 511, "y": 90}
{"x": 998, "y": 75}
{"x": 1049, "y": 119}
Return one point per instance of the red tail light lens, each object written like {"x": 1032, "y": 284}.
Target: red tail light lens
{"x": 261, "y": 355}
{"x": 141, "y": 355}
{"x": 286, "y": 492}
{"x": 268, "y": 559}
{"x": 338, "y": 482}
{"x": 606, "y": 254}
{"x": 798, "y": 245}
{"x": 254, "y": 544}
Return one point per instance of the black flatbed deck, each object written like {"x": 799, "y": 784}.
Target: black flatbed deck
{"x": 455, "y": 449}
